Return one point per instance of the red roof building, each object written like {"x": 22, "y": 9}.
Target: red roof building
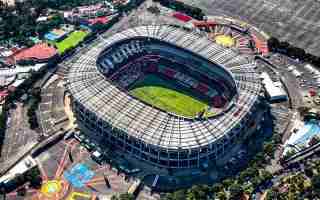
{"x": 182, "y": 17}
{"x": 41, "y": 52}
{"x": 102, "y": 20}
{"x": 204, "y": 23}
{"x": 261, "y": 45}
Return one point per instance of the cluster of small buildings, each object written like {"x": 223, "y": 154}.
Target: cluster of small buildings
{"x": 90, "y": 15}
{"x": 38, "y": 53}
{"x": 18, "y": 62}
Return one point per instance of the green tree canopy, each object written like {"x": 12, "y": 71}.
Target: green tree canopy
{"x": 236, "y": 191}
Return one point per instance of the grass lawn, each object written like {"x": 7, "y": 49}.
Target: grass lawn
{"x": 72, "y": 40}
{"x": 168, "y": 96}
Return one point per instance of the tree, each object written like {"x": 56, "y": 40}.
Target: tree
{"x": 114, "y": 198}
{"x": 236, "y": 191}
{"x": 198, "y": 192}
{"x": 34, "y": 177}
{"x": 217, "y": 187}
{"x": 21, "y": 191}
{"x": 3, "y": 124}
{"x": 177, "y": 195}
{"x": 258, "y": 160}
{"x": 276, "y": 138}
{"x": 300, "y": 53}
{"x": 256, "y": 181}
{"x": 227, "y": 182}
{"x": 296, "y": 52}
{"x": 308, "y": 171}
{"x": 309, "y": 57}
{"x": 269, "y": 148}
{"x": 126, "y": 196}
{"x": 265, "y": 175}
{"x": 154, "y": 10}
{"x": 272, "y": 194}
{"x": 273, "y": 43}
{"x": 316, "y": 61}
{"x": 315, "y": 182}
{"x": 99, "y": 26}
{"x": 284, "y": 45}
{"x": 221, "y": 195}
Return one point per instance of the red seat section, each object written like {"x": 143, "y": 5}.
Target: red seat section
{"x": 203, "y": 88}
{"x": 152, "y": 68}
{"x": 219, "y": 101}
{"x": 170, "y": 72}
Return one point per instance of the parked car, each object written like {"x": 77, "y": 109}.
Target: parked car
{"x": 79, "y": 136}
{"x": 97, "y": 157}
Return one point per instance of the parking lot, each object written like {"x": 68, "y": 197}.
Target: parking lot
{"x": 52, "y": 116}
{"x": 294, "y": 21}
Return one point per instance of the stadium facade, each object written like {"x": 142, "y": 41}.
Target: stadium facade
{"x": 107, "y": 113}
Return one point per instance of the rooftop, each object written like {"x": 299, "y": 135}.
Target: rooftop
{"x": 271, "y": 87}
{"x": 41, "y": 51}
{"x": 96, "y": 20}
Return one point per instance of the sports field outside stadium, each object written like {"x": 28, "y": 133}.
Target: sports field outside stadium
{"x": 71, "y": 41}
{"x": 168, "y": 96}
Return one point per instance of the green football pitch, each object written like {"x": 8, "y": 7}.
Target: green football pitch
{"x": 166, "y": 95}
{"x": 71, "y": 41}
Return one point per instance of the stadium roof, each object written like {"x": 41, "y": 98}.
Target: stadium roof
{"x": 96, "y": 94}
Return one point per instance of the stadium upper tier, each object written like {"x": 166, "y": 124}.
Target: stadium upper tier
{"x": 100, "y": 104}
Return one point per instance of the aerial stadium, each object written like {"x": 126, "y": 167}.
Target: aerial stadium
{"x": 165, "y": 94}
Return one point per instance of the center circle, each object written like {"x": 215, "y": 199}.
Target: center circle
{"x": 225, "y": 40}
{"x": 52, "y": 187}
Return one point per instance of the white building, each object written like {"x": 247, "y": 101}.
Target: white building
{"x": 8, "y": 2}
{"x": 311, "y": 69}
{"x": 291, "y": 68}
{"x": 296, "y": 73}
{"x": 274, "y": 90}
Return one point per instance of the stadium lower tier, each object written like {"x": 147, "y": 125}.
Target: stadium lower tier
{"x": 102, "y": 133}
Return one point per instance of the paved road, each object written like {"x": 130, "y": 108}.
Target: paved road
{"x": 292, "y": 20}
{"x": 18, "y": 133}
